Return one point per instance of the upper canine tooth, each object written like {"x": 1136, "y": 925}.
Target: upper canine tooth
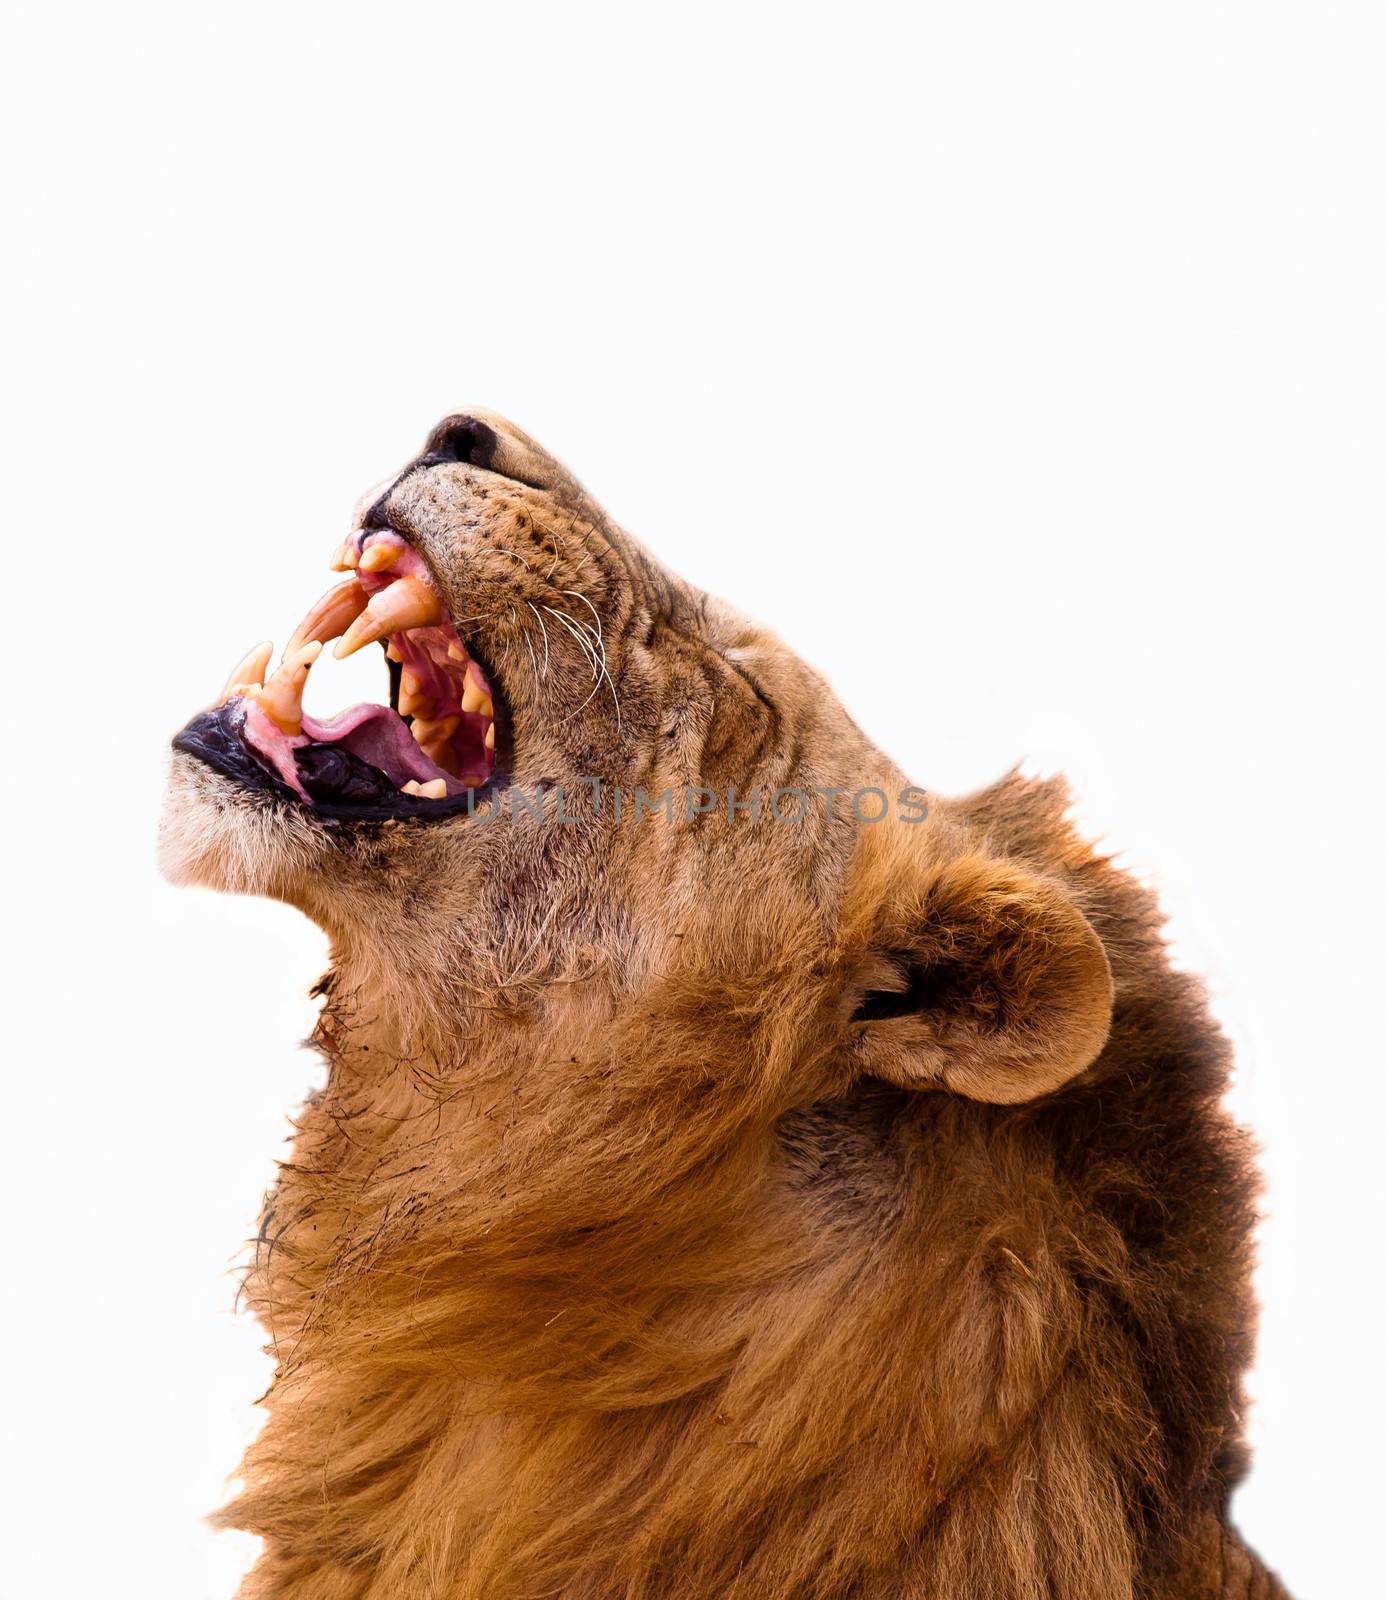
{"x": 337, "y": 609}
{"x": 405, "y": 603}
{"x": 281, "y": 699}
{"x": 378, "y": 557}
{"x": 248, "y": 671}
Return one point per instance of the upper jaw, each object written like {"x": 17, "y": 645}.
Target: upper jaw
{"x": 367, "y": 763}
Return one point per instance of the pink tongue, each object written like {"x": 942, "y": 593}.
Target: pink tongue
{"x": 377, "y": 735}
{"x": 335, "y": 729}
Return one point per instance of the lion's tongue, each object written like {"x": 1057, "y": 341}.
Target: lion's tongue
{"x": 376, "y": 735}
{"x": 373, "y": 733}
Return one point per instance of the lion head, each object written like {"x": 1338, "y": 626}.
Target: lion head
{"x": 710, "y": 1194}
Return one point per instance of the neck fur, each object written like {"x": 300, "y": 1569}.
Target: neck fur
{"x": 555, "y": 1314}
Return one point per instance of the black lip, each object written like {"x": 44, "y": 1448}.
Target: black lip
{"x": 216, "y": 738}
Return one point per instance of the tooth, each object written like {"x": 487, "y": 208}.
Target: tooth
{"x": 392, "y": 652}
{"x": 474, "y": 780}
{"x": 434, "y": 789}
{"x": 378, "y": 557}
{"x": 456, "y": 654}
{"x": 473, "y": 698}
{"x": 337, "y": 609}
{"x": 413, "y": 702}
{"x": 442, "y": 754}
{"x": 405, "y": 603}
{"x": 490, "y": 740}
{"x": 339, "y": 562}
{"x": 281, "y": 699}
{"x": 249, "y": 670}
{"x": 438, "y": 732}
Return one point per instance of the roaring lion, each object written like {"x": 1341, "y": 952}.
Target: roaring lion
{"x": 740, "y": 1175}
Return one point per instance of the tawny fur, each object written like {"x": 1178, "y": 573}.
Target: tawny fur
{"x": 707, "y": 1208}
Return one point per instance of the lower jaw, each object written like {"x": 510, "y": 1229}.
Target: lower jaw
{"x": 218, "y": 739}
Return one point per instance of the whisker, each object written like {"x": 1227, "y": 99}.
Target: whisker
{"x": 569, "y": 718}
{"x": 571, "y": 624}
{"x": 600, "y": 670}
{"x": 545, "y": 632}
{"x": 535, "y": 664}
{"x": 496, "y": 550}
{"x": 601, "y": 643}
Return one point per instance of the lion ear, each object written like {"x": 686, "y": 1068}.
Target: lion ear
{"x": 985, "y": 980}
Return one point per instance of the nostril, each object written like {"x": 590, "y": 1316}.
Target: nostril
{"x": 461, "y": 439}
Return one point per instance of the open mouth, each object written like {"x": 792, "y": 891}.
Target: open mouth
{"x": 430, "y": 752}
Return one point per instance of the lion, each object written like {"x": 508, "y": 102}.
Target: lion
{"x": 740, "y": 1174}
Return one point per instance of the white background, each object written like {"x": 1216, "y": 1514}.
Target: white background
{"x": 1023, "y": 364}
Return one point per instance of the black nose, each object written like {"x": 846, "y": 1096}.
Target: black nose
{"x": 461, "y": 439}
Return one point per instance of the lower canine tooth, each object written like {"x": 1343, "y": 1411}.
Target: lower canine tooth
{"x": 406, "y": 603}
{"x": 249, "y": 670}
{"x": 281, "y": 699}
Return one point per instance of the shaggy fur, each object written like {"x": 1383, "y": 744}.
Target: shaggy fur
{"x": 701, "y": 1208}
